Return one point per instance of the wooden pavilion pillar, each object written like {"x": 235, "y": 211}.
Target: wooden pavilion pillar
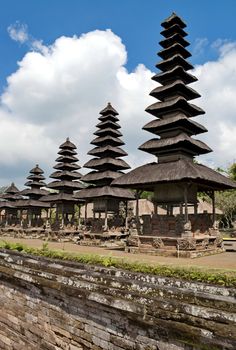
{"x": 85, "y": 212}
{"x": 126, "y": 214}
{"x": 106, "y": 226}
{"x": 62, "y": 215}
{"x": 155, "y": 208}
{"x": 213, "y": 209}
{"x": 186, "y": 202}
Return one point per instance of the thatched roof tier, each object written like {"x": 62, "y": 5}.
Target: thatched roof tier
{"x": 173, "y": 19}
{"x": 175, "y": 60}
{"x": 59, "y": 198}
{"x": 176, "y": 73}
{"x": 7, "y": 205}
{"x": 107, "y": 151}
{"x": 67, "y": 151}
{"x": 182, "y": 170}
{"x": 67, "y": 145}
{"x": 177, "y": 88}
{"x": 174, "y": 50}
{"x": 109, "y": 109}
{"x": 66, "y": 166}
{"x": 65, "y": 174}
{"x": 181, "y": 142}
{"x": 67, "y": 159}
{"x": 11, "y": 193}
{"x": 107, "y": 140}
{"x": 107, "y": 164}
{"x": 36, "y": 170}
{"x": 32, "y": 192}
{"x": 36, "y": 177}
{"x": 175, "y": 28}
{"x": 105, "y": 192}
{"x": 108, "y": 124}
{"x": 104, "y": 118}
{"x": 160, "y": 109}
{"x": 95, "y": 176}
{"x": 65, "y": 185}
{"x": 31, "y": 203}
{"x": 108, "y": 131}
{"x": 171, "y": 40}
{"x": 178, "y": 122}
{"x": 33, "y": 183}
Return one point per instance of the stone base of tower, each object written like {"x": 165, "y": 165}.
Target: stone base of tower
{"x": 170, "y": 235}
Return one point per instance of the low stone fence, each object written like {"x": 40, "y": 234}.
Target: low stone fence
{"x": 53, "y": 304}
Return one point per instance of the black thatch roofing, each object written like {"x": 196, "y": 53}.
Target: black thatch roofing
{"x": 172, "y": 20}
{"x": 113, "y": 163}
{"x": 109, "y": 109}
{"x": 67, "y": 144}
{"x": 67, "y": 151}
{"x": 105, "y": 140}
{"x": 178, "y": 121}
{"x": 65, "y": 173}
{"x": 66, "y": 166}
{"x": 36, "y": 170}
{"x": 33, "y": 183}
{"x": 11, "y": 194}
{"x": 173, "y": 39}
{"x": 181, "y": 141}
{"x": 108, "y": 124}
{"x": 108, "y": 131}
{"x": 31, "y": 203}
{"x": 175, "y": 28}
{"x": 147, "y": 176}
{"x": 107, "y": 151}
{"x": 173, "y": 89}
{"x": 34, "y": 192}
{"x": 173, "y": 50}
{"x": 95, "y": 176}
{"x": 159, "y": 109}
{"x": 67, "y": 159}
{"x": 59, "y": 197}
{"x": 63, "y": 184}
{"x": 175, "y": 73}
{"x": 175, "y": 60}
{"x": 105, "y": 191}
{"x": 12, "y": 189}
{"x": 7, "y": 205}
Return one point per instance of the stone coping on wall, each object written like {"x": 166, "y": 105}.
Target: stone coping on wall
{"x": 109, "y": 308}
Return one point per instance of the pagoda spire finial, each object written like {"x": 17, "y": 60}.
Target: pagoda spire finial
{"x": 67, "y": 139}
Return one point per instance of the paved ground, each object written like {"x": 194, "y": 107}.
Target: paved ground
{"x": 222, "y": 261}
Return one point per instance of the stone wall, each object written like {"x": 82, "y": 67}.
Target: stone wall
{"x": 51, "y": 304}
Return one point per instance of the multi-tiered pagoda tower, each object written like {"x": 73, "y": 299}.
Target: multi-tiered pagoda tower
{"x": 65, "y": 183}
{"x": 107, "y": 166}
{"x": 33, "y": 203}
{"x": 175, "y": 178}
{"x": 8, "y": 202}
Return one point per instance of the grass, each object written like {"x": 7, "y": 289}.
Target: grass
{"x": 214, "y": 277}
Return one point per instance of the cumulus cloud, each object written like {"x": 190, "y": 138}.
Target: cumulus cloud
{"x": 18, "y": 32}
{"x": 58, "y": 91}
{"x": 199, "y": 46}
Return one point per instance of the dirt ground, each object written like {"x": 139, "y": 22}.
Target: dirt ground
{"x": 219, "y": 261}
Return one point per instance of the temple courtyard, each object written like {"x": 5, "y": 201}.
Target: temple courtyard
{"x": 224, "y": 261}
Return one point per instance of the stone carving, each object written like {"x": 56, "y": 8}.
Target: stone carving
{"x": 157, "y": 243}
{"x": 205, "y": 243}
{"x": 219, "y": 242}
{"x": 133, "y": 241}
{"x": 186, "y": 243}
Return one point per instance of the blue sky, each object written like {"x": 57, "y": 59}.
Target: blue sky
{"x": 137, "y": 22}
{"x": 53, "y": 85}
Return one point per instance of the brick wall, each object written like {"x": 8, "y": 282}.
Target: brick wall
{"x": 49, "y": 304}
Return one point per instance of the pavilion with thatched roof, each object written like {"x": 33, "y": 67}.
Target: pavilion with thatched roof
{"x": 8, "y": 203}
{"x": 107, "y": 165}
{"x": 65, "y": 184}
{"x": 175, "y": 178}
{"x": 32, "y": 204}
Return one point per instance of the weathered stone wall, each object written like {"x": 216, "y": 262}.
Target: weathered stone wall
{"x": 48, "y": 304}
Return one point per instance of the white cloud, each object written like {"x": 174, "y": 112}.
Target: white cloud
{"x": 58, "y": 91}
{"x": 199, "y": 46}
{"x": 18, "y": 32}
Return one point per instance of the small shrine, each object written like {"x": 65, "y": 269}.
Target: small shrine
{"x": 175, "y": 178}
{"x": 31, "y": 207}
{"x": 8, "y": 204}
{"x": 107, "y": 165}
{"x": 64, "y": 185}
